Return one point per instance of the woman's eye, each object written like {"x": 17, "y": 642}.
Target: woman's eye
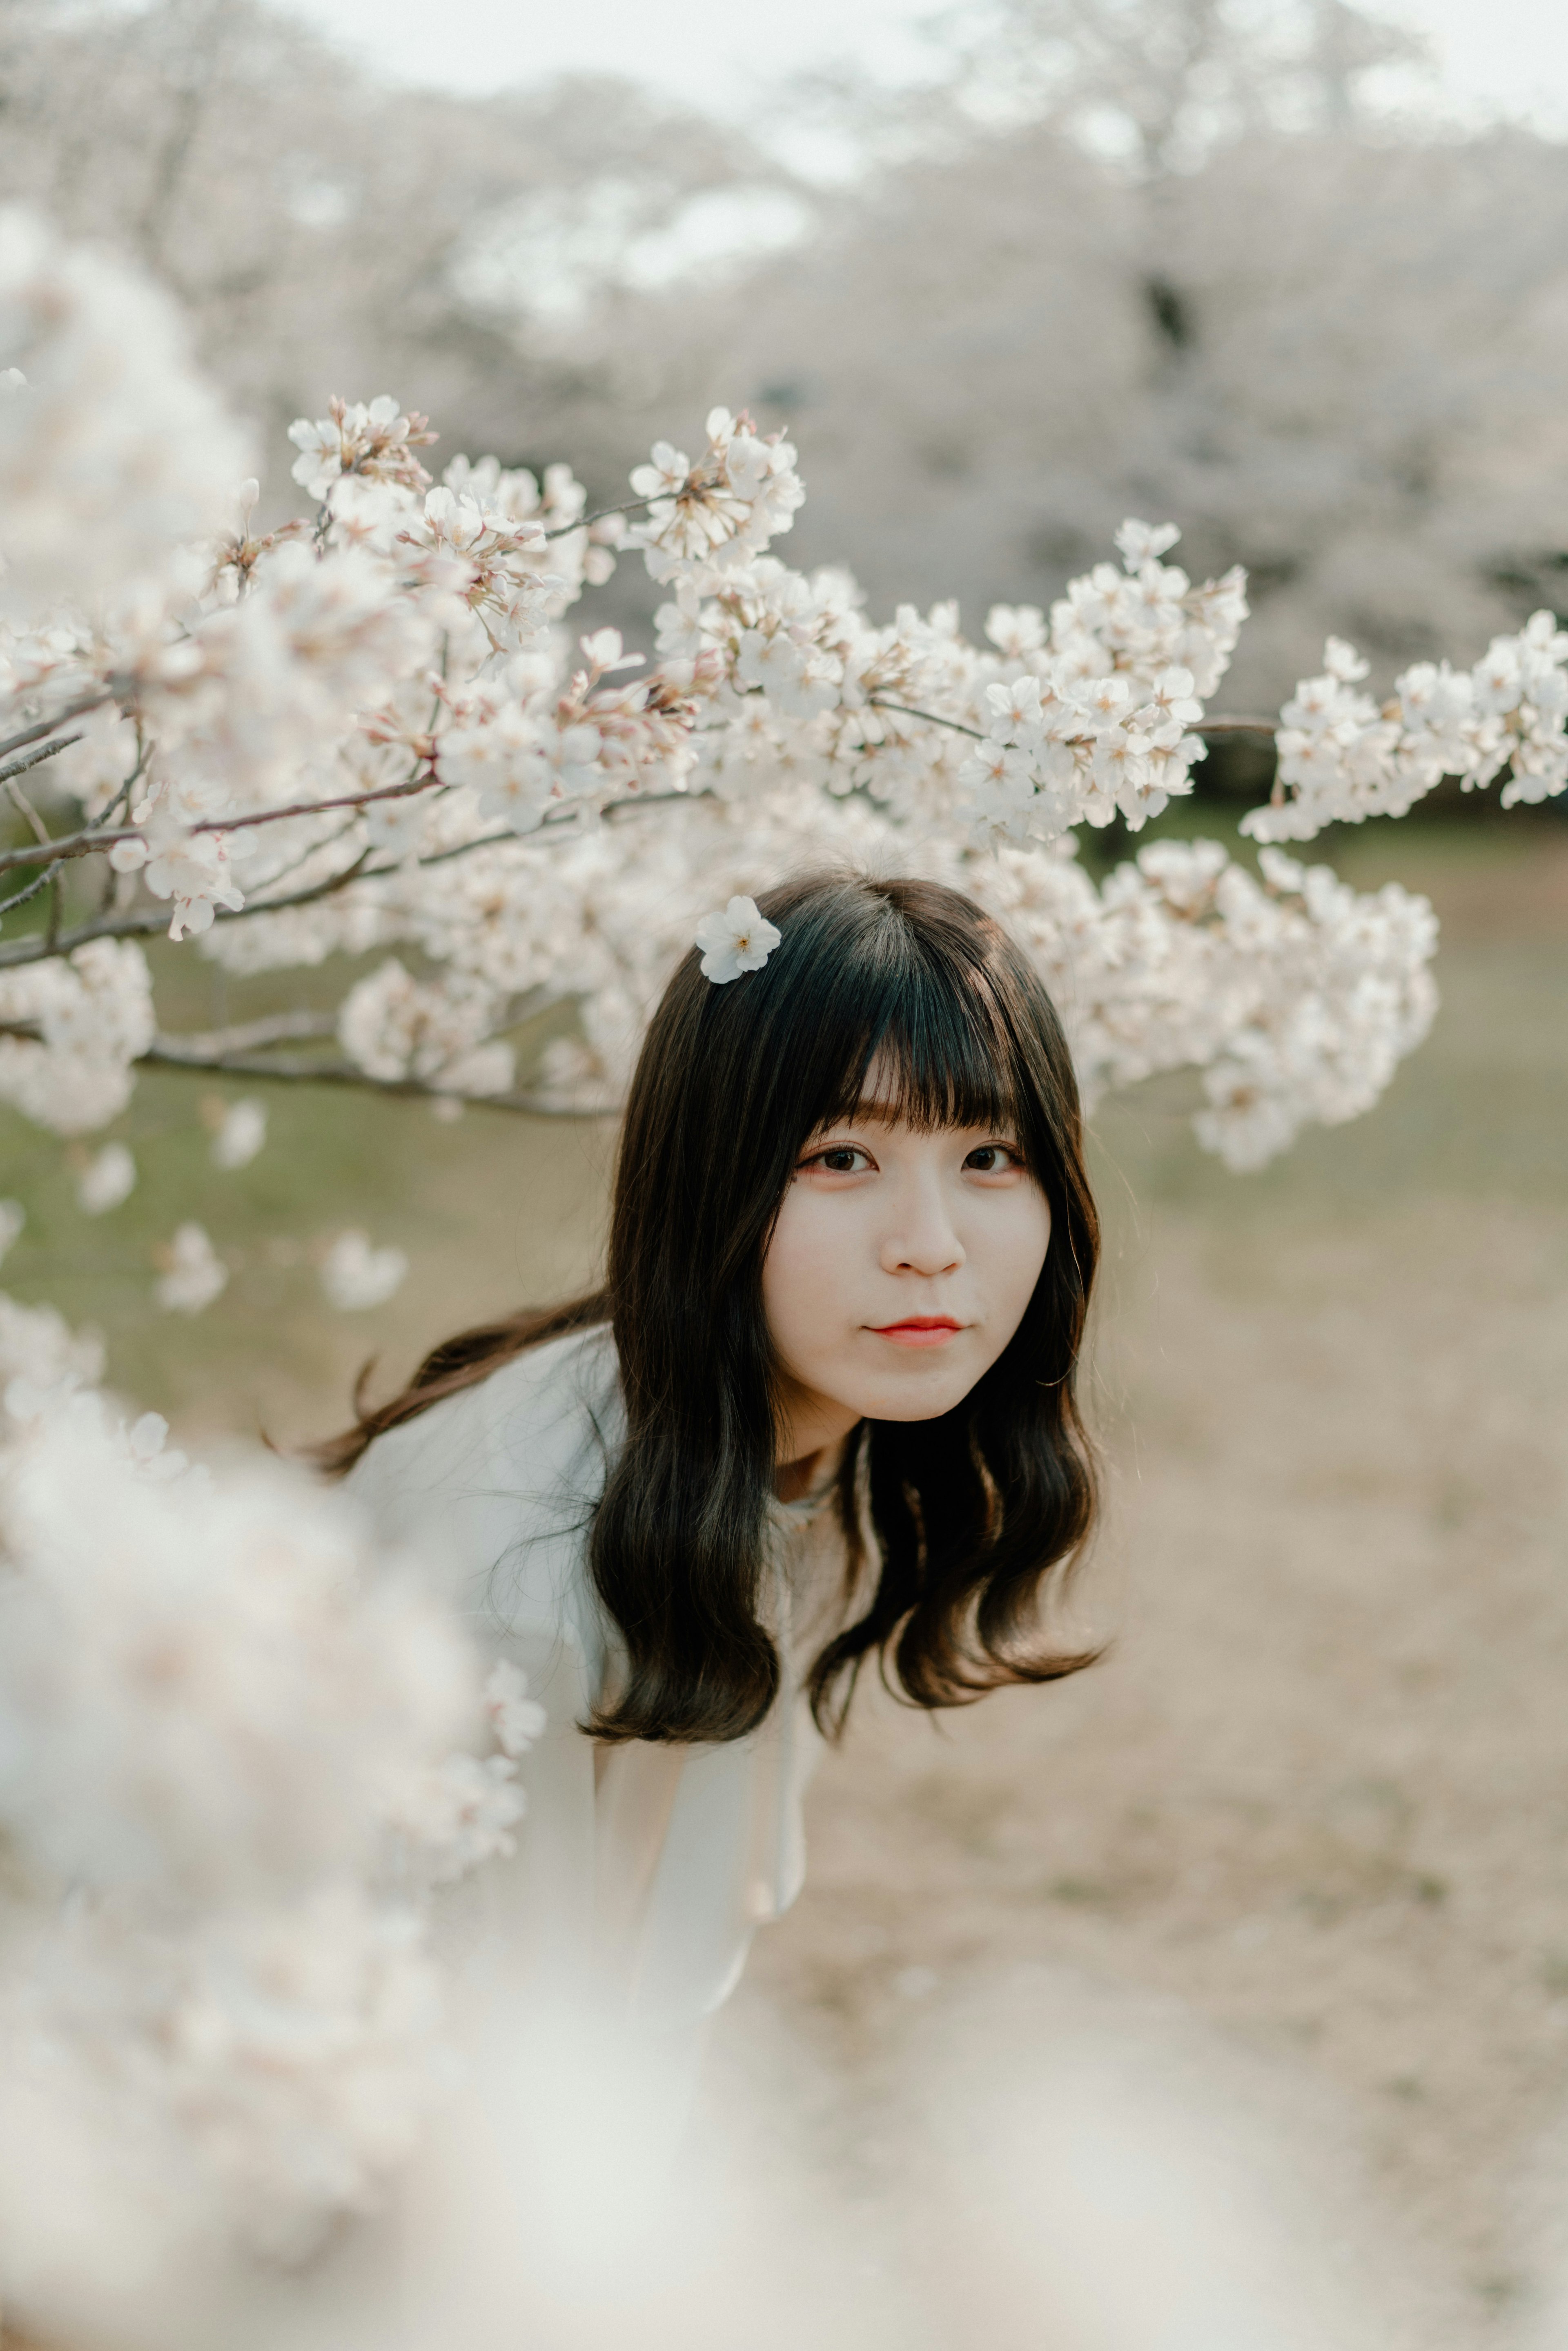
{"x": 993, "y": 1159}
{"x": 844, "y": 1159}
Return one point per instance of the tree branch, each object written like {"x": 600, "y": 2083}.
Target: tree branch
{"x": 29, "y": 890}
{"x": 255, "y": 1036}
{"x": 317, "y": 808}
{"x": 240, "y": 1053}
{"x": 146, "y": 926}
{"x": 601, "y": 514}
{"x": 927, "y": 717}
{"x": 19, "y": 800}
{"x": 34, "y": 759}
{"x": 49, "y": 852}
{"x": 32, "y": 734}
{"x": 1269, "y": 727}
{"x": 188, "y": 1053}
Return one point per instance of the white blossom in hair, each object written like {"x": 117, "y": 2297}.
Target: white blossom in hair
{"x": 736, "y": 941}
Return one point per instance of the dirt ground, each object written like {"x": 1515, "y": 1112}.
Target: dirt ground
{"x": 1314, "y": 1802}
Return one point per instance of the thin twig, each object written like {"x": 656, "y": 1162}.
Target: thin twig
{"x": 256, "y": 1036}
{"x": 143, "y": 751}
{"x": 175, "y": 1052}
{"x": 36, "y": 758}
{"x": 52, "y": 849}
{"x": 42, "y": 726}
{"x": 292, "y": 865}
{"x": 19, "y": 800}
{"x": 586, "y": 522}
{"x": 315, "y": 808}
{"x": 307, "y": 897}
{"x": 121, "y": 926}
{"x": 928, "y": 717}
{"x": 1206, "y": 726}
{"x": 145, "y": 926}
{"x": 31, "y": 889}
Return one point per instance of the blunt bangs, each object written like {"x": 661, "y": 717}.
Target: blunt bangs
{"x": 877, "y": 996}
{"x": 931, "y": 1035}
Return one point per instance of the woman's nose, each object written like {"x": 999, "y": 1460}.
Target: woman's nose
{"x": 921, "y": 1238}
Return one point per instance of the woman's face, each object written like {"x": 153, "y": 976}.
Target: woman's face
{"x": 900, "y": 1266}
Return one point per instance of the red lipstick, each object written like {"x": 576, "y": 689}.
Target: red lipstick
{"x": 919, "y": 1330}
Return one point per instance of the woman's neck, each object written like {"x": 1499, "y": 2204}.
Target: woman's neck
{"x": 812, "y": 1433}
{"x": 793, "y": 1480}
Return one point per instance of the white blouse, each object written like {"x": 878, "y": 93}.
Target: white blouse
{"x": 647, "y": 1880}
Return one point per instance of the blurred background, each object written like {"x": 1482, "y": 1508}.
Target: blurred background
{"x": 1294, "y": 276}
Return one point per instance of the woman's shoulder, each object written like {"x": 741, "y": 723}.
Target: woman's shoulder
{"x": 535, "y": 1431}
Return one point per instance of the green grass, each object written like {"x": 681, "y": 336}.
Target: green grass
{"x": 491, "y": 1210}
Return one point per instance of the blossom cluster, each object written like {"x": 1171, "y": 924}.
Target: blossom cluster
{"x": 1294, "y": 995}
{"x": 375, "y": 730}
{"x": 238, "y": 1745}
{"x": 1343, "y": 757}
{"x": 70, "y": 1032}
{"x": 1077, "y": 719}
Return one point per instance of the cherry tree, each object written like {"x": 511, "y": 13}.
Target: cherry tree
{"x": 371, "y": 731}
{"x": 320, "y": 227}
{"x": 1208, "y": 255}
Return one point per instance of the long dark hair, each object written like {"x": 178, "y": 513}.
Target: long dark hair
{"x": 966, "y": 1516}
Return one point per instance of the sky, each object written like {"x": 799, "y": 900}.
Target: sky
{"x": 1506, "y": 56}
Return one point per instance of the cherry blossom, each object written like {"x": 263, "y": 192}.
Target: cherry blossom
{"x": 193, "y": 1273}
{"x": 109, "y": 1177}
{"x": 39, "y": 1348}
{"x": 357, "y": 1277}
{"x": 239, "y": 1133}
{"x": 70, "y": 1030}
{"x": 248, "y": 1745}
{"x": 1343, "y": 757}
{"x": 737, "y": 940}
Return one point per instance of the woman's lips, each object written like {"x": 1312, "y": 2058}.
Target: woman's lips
{"x": 920, "y": 1331}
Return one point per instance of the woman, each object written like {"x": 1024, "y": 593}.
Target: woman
{"x": 822, "y": 1410}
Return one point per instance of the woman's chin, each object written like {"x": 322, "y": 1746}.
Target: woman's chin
{"x": 917, "y": 1399}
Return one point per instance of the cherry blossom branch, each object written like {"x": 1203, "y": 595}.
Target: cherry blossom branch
{"x": 303, "y": 857}
{"x": 928, "y": 718}
{"x": 241, "y": 1052}
{"x": 29, "y": 890}
{"x": 19, "y": 800}
{"x": 1269, "y": 727}
{"x": 633, "y": 506}
{"x": 255, "y": 1036}
{"x": 317, "y": 808}
{"x": 34, "y": 759}
{"x": 52, "y": 850}
{"x": 190, "y": 1054}
{"x": 146, "y": 926}
{"x": 93, "y": 840}
{"x": 43, "y": 726}
{"x": 121, "y": 926}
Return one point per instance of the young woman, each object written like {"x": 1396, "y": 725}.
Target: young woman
{"x": 821, "y": 1411}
